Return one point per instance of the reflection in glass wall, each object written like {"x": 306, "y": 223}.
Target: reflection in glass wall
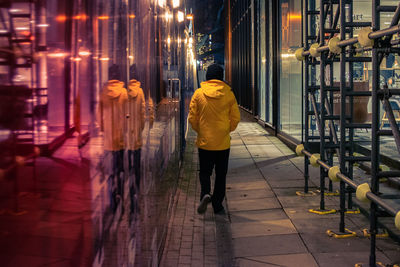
{"x": 97, "y": 91}
{"x": 290, "y": 93}
{"x": 262, "y": 62}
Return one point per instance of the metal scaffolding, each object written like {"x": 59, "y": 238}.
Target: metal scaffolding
{"x": 335, "y": 42}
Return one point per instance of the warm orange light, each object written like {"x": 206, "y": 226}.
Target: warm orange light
{"x": 294, "y": 16}
{"x": 84, "y": 53}
{"x": 189, "y": 16}
{"x": 61, "y": 18}
{"x": 56, "y": 55}
{"x": 132, "y": 16}
{"x": 76, "y": 59}
{"x": 104, "y": 17}
{"x": 25, "y": 33}
{"x": 81, "y": 17}
{"x": 104, "y": 59}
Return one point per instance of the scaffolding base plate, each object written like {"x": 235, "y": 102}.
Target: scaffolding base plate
{"x": 382, "y": 233}
{"x": 308, "y": 194}
{"x": 378, "y": 263}
{"x": 356, "y": 211}
{"x": 348, "y": 233}
{"x": 322, "y": 212}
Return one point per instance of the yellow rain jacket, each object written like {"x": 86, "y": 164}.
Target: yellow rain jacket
{"x": 136, "y": 110}
{"x": 213, "y": 114}
{"x": 112, "y": 110}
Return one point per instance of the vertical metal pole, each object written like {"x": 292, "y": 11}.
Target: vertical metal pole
{"x": 306, "y": 101}
{"x": 374, "y": 132}
{"x": 351, "y": 130}
{"x": 322, "y": 95}
{"x": 333, "y": 136}
{"x": 342, "y": 113}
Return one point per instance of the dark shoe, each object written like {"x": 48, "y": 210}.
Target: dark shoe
{"x": 220, "y": 210}
{"x": 203, "y": 204}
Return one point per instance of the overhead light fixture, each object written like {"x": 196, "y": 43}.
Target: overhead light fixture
{"x": 175, "y": 3}
{"x": 161, "y": 3}
{"x": 180, "y": 16}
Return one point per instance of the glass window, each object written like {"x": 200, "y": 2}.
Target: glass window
{"x": 290, "y": 90}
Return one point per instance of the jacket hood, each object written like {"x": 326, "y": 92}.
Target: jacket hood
{"x": 133, "y": 88}
{"x": 215, "y": 88}
{"x": 113, "y": 89}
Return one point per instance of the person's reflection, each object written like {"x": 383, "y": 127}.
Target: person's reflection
{"x": 136, "y": 108}
{"x": 112, "y": 104}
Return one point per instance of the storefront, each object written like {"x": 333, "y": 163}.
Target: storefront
{"x": 267, "y": 78}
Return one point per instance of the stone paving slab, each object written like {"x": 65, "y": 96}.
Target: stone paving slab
{"x": 249, "y": 194}
{"x": 285, "y": 183}
{"x": 240, "y": 165}
{"x": 320, "y": 225}
{"x": 268, "y": 245}
{"x": 322, "y": 243}
{"x": 253, "y": 204}
{"x": 295, "y": 213}
{"x": 257, "y": 215}
{"x": 269, "y": 151}
{"x": 305, "y": 202}
{"x": 251, "y": 185}
{"x": 262, "y": 228}
{"x": 335, "y": 259}
{"x": 291, "y": 260}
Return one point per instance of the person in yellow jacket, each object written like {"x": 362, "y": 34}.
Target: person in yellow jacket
{"x": 213, "y": 114}
{"x": 136, "y": 110}
{"x": 112, "y": 111}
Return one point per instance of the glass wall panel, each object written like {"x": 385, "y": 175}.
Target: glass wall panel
{"x": 290, "y": 83}
{"x": 102, "y": 87}
{"x": 270, "y": 70}
{"x": 262, "y": 62}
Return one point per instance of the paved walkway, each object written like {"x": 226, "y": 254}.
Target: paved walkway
{"x": 266, "y": 223}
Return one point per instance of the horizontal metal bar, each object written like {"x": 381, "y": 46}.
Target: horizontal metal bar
{"x": 359, "y": 93}
{"x": 358, "y": 125}
{"x": 323, "y": 165}
{"x": 332, "y": 89}
{"x": 374, "y": 198}
{"x": 358, "y": 59}
{"x": 384, "y": 32}
{"x": 347, "y": 180}
{"x": 347, "y": 42}
{"x": 313, "y": 87}
{"x": 323, "y": 48}
{"x": 388, "y": 174}
{"x": 386, "y": 8}
{"x": 332, "y": 30}
{"x": 332, "y": 117}
{"x": 358, "y": 24}
{"x": 390, "y": 91}
{"x": 314, "y": 138}
{"x": 313, "y": 12}
{"x": 385, "y": 133}
{"x": 390, "y": 196}
{"x": 355, "y": 159}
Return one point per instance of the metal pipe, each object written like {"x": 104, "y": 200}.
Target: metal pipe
{"x": 377, "y": 200}
{"x": 384, "y": 32}
{"x": 392, "y": 121}
{"x": 385, "y": 174}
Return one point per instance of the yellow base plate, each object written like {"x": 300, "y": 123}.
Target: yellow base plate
{"x": 384, "y": 233}
{"x": 348, "y": 233}
{"x": 302, "y": 194}
{"x": 356, "y": 211}
{"x": 322, "y": 212}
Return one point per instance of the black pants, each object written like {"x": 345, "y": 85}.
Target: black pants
{"x": 209, "y": 159}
